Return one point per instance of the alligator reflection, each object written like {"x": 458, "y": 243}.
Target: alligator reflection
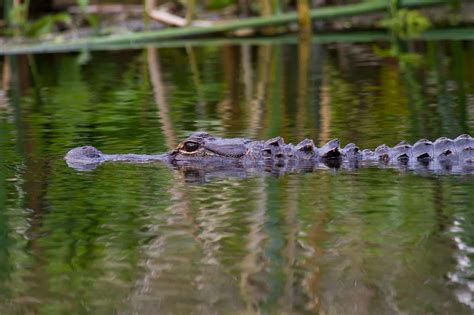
{"x": 462, "y": 276}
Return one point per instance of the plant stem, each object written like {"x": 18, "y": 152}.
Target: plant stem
{"x": 265, "y": 7}
{"x": 7, "y": 6}
{"x": 277, "y": 7}
{"x": 304, "y": 18}
{"x": 174, "y": 33}
{"x": 190, "y": 11}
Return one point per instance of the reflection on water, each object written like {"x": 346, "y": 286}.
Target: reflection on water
{"x": 463, "y": 273}
{"x": 143, "y": 239}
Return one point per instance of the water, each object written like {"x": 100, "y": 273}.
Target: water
{"x": 144, "y": 239}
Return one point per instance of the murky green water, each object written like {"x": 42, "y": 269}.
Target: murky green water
{"x": 142, "y": 239}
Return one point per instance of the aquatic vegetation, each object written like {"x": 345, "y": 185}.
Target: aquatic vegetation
{"x": 406, "y": 23}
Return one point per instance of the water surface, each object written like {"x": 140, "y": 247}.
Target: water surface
{"x": 146, "y": 239}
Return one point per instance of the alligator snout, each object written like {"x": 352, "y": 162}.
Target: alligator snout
{"x": 84, "y": 158}
{"x": 88, "y": 158}
{"x": 84, "y": 154}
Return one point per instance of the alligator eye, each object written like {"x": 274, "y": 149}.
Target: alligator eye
{"x": 191, "y": 146}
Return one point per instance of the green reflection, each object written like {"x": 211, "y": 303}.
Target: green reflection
{"x": 141, "y": 238}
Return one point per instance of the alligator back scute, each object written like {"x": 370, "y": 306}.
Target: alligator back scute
{"x": 330, "y": 149}
{"x": 351, "y": 151}
{"x": 273, "y": 148}
{"x": 467, "y": 155}
{"x": 444, "y": 147}
{"x": 463, "y": 141}
{"x": 401, "y": 152}
{"x": 306, "y": 149}
{"x": 423, "y": 150}
{"x": 275, "y": 142}
{"x": 255, "y": 151}
{"x": 368, "y": 155}
{"x": 382, "y": 153}
{"x": 465, "y": 148}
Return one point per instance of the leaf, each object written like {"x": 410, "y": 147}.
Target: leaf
{"x": 406, "y": 23}
{"x": 40, "y": 27}
{"x": 93, "y": 20}
{"x": 83, "y": 3}
{"x": 63, "y": 17}
{"x": 17, "y": 14}
{"x": 47, "y": 23}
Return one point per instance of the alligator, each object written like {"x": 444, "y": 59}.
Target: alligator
{"x": 205, "y": 152}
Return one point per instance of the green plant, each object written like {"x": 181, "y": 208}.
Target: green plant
{"x": 406, "y": 23}
{"x": 46, "y": 24}
{"x": 18, "y": 17}
{"x": 19, "y": 25}
{"x": 91, "y": 19}
{"x": 219, "y": 4}
{"x": 408, "y": 58}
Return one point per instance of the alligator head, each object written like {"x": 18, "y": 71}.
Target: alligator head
{"x": 201, "y": 146}
{"x": 198, "y": 149}
{"x": 84, "y": 158}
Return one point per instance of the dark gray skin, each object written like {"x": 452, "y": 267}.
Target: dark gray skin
{"x": 203, "y": 152}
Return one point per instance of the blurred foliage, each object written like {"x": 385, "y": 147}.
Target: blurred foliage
{"x": 219, "y": 4}
{"x": 414, "y": 59}
{"x": 92, "y": 20}
{"x": 406, "y": 23}
{"x": 46, "y": 24}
